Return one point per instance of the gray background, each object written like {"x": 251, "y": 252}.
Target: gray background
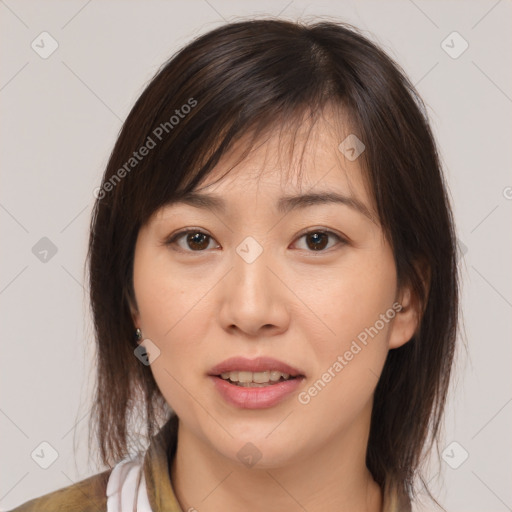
{"x": 60, "y": 118}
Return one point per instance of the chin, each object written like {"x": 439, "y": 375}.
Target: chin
{"x": 259, "y": 451}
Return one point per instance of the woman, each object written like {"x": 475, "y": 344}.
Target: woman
{"x": 273, "y": 281}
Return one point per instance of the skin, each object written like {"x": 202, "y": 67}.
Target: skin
{"x": 301, "y": 306}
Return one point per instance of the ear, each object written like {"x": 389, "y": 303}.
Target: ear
{"x": 406, "y": 321}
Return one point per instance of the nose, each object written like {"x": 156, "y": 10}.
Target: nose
{"x": 255, "y": 301}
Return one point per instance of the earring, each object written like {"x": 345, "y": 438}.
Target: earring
{"x": 138, "y": 334}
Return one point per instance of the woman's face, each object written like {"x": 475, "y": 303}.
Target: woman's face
{"x": 311, "y": 284}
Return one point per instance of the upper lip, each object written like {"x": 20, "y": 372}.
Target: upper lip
{"x": 260, "y": 364}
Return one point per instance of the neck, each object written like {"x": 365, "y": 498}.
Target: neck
{"x": 333, "y": 478}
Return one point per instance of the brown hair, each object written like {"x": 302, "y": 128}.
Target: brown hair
{"x": 250, "y": 76}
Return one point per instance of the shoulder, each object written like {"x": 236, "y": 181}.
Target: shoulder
{"x": 89, "y": 495}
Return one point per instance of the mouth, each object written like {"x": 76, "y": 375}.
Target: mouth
{"x": 248, "y": 379}
{"x": 256, "y": 395}
{"x": 259, "y": 372}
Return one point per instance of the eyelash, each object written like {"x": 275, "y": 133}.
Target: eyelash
{"x": 172, "y": 240}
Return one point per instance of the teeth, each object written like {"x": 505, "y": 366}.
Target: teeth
{"x": 244, "y": 377}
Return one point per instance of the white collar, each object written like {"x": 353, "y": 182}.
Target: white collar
{"x": 126, "y": 487}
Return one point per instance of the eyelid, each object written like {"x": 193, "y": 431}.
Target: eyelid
{"x": 342, "y": 239}
{"x": 320, "y": 229}
{"x": 171, "y": 239}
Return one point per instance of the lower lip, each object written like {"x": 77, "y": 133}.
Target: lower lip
{"x": 257, "y": 397}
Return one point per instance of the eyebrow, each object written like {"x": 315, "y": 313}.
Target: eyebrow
{"x": 284, "y": 205}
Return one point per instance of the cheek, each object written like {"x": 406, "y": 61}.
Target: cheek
{"x": 166, "y": 294}
{"x": 175, "y": 308}
{"x": 172, "y": 313}
{"x": 354, "y": 304}
{"x": 351, "y": 296}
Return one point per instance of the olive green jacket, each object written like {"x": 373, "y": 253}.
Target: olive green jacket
{"x": 90, "y": 495}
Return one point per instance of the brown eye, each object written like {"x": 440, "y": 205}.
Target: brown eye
{"x": 317, "y": 241}
{"x": 195, "y": 240}
{"x": 198, "y": 241}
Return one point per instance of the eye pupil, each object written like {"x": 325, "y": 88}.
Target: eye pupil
{"x": 319, "y": 240}
{"x": 196, "y": 241}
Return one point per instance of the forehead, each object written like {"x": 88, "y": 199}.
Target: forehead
{"x": 285, "y": 169}
{"x": 287, "y": 161}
